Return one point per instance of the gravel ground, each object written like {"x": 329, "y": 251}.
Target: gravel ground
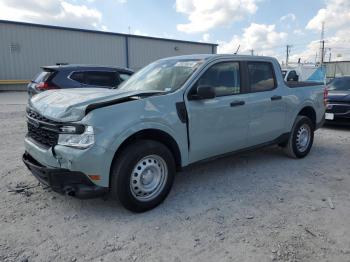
{"x": 255, "y": 206}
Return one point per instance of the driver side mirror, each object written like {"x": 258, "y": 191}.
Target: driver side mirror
{"x": 205, "y": 92}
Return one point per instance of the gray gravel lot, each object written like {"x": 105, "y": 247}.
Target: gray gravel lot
{"x": 255, "y": 206}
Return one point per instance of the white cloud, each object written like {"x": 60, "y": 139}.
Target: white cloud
{"x": 336, "y": 14}
{"x": 139, "y": 32}
{"x": 288, "y": 17}
{"x": 338, "y": 45}
{"x": 206, "y": 37}
{"x": 298, "y": 32}
{"x": 204, "y": 15}
{"x": 55, "y": 12}
{"x": 262, "y": 38}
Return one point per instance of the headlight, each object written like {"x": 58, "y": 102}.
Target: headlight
{"x": 80, "y": 141}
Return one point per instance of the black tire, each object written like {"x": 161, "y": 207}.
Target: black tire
{"x": 291, "y": 148}
{"x": 123, "y": 169}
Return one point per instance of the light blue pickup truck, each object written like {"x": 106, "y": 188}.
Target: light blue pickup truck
{"x": 130, "y": 142}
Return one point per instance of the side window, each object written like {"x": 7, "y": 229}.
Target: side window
{"x": 292, "y": 76}
{"x": 261, "y": 76}
{"x": 224, "y": 77}
{"x": 78, "y": 76}
{"x": 101, "y": 78}
{"x": 124, "y": 76}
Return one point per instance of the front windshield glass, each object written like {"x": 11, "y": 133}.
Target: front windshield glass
{"x": 341, "y": 84}
{"x": 163, "y": 75}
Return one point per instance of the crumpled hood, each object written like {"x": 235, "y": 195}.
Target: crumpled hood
{"x": 339, "y": 96}
{"x": 67, "y": 105}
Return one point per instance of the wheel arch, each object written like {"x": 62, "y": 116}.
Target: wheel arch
{"x": 156, "y": 135}
{"x": 309, "y": 112}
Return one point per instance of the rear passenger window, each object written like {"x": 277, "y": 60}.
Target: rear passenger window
{"x": 261, "y": 76}
{"x": 78, "y": 76}
{"x": 224, "y": 77}
{"x": 101, "y": 78}
{"x": 96, "y": 78}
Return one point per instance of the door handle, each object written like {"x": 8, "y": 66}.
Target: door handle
{"x": 237, "y": 103}
{"x": 276, "y": 98}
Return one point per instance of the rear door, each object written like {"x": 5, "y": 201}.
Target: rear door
{"x": 218, "y": 125}
{"x": 267, "y": 108}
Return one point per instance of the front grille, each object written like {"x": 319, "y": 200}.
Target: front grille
{"x": 32, "y": 114}
{"x": 42, "y": 136}
{"x": 339, "y": 109}
{"x": 39, "y": 130}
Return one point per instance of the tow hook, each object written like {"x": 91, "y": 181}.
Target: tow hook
{"x": 69, "y": 191}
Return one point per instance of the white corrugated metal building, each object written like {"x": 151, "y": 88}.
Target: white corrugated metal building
{"x": 24, "y": 47}
{"x": 337, "y": 69}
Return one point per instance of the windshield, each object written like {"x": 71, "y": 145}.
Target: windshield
{"x": 163, "y": 75}
{"x": 341, "y": 84}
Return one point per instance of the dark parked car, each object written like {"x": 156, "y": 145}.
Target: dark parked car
{"x": 338, "y": 108}
{"x": 75, "y": 76}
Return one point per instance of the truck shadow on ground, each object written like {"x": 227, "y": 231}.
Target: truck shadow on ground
{"x": 341, "y": 127}
{"x": 263, "y": 174}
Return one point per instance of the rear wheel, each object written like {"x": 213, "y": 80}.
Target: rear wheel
{"x": 301, "y": 138}
{"x": 143, "y": 175}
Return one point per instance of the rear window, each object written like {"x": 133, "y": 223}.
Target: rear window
{"x": 42, "y": 77}
{"x": 261, "y": 76}
{"x": 96, "y": 78}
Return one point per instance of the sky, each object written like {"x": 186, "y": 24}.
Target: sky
{"x": 264, "y": 27}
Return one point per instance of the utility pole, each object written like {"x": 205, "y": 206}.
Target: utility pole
{"x": 316, "y": 58}
{"x": 330, "y": 54}
{"x": 288, "y": 47}
{"x": 322, "y": 44}
{"x": 322, "y": 52}
{"x": 235, "y": 53}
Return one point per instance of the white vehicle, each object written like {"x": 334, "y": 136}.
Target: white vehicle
{"x": 304, "y": 73}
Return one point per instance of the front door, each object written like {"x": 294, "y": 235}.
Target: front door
{"x": 218, "y": 125}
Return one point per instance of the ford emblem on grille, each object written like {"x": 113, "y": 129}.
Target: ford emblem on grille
{"x": 35, "y": 123}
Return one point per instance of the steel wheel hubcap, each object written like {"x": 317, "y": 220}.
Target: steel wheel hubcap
{"x": 303, "y": 137}
{"x": 148, "y": 178}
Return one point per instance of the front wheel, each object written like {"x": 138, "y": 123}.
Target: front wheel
{"x": 143, "y": 175}
{"x": 301, "y": 138}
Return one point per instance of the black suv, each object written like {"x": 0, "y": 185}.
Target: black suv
{"x": 338, "y": 107}
{"x": 75, "y": 76}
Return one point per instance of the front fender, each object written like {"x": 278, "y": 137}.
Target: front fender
{"x": 179, "y": 137}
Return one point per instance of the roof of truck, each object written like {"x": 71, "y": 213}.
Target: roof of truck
{"x": 214, "y": 56}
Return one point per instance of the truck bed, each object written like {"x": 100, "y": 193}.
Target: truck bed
{"x": 294, "y": 84}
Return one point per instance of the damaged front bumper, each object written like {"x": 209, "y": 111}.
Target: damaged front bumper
{"x": 64, "y": 181}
